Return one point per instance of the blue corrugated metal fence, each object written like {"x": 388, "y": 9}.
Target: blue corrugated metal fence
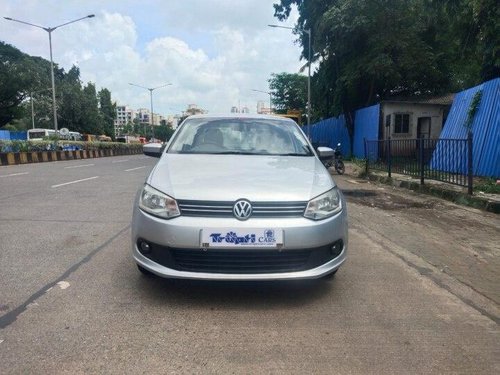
{"x": 485, "y": 130}
{"x": 329, "y": 132}
{"x": 366, "y": 125}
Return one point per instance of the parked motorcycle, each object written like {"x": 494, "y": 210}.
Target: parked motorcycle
{"x": 336, "y": 160}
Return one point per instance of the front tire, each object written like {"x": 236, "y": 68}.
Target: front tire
{"x": 330, "y": 276}
{"x": 145, "y": 272}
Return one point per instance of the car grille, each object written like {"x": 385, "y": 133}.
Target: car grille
{"x": 225, "y": 261}
{"x": 243, "y": 261}
{"x": 225, "y": 209}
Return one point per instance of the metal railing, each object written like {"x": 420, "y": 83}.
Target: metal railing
{"x": 446, "y": 160}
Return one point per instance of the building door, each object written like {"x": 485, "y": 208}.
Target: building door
{"x": 423, "y": 135}
{"x": 424, "y": 127}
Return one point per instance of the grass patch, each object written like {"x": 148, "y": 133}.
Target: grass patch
{"x": 488, "y": 186}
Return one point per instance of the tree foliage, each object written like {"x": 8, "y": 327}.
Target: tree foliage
{"x": 20, "y": 75}
{"x": 289, "y": 92}
{"x": 371, "y": 50}
{"x": 107, "y": 110}
{"x": 79, "y": 108}
{"x": 163, "y": 132}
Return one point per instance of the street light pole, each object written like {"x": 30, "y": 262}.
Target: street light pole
{"x": 151, "y": 89}
{"x": 270, "y": 99}
{"x": 49, "y": 30}
{"x": 308, "y": 32}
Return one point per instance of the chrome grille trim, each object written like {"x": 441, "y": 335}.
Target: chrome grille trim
{"x": 225, "y": 208}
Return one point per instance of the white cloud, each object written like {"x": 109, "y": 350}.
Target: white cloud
{"x": 213, "y": 52}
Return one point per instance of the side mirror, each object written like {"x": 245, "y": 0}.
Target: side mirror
{"x": 325, "y": 153}
{"x": 153, "y": 149}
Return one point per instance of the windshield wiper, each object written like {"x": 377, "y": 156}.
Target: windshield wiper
{"x": 233, "y": 153}
{"x": 294, "y": 154}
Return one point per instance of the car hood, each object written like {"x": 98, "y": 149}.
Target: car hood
{"x": 232, "y": 177}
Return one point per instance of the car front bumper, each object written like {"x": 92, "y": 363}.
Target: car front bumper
{"x": 299, "y": 234}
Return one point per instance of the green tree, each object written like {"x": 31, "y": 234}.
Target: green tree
{"x": 107, "y": 110}
{"x": 163, "y": 132}
{"x": 78, "y": 108}
{"x": 15, "y": 82}
{"x": 289, "y": 92}
{"x": 70, "y": 111}
{"x": 469, "y": 33}
{"x": 372, "y": 50}
{"x": 90, "y": 112}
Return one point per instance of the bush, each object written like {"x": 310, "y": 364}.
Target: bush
{"x": 488, "y": 186}
{"x": 63, "y": 145}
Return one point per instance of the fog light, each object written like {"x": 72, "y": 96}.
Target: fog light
{"x": 336, "y": 248}
{"x": 144, "y": 247}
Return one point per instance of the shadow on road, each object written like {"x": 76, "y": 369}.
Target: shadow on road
{"x": 235, "y": 294}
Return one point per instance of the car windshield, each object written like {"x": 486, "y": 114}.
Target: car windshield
{"x": 247, "y": 136}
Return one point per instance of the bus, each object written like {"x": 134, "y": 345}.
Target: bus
{"x": 70, "y": 136}
{"x": 75, "y": 136}
{"x": 39, "y": 134}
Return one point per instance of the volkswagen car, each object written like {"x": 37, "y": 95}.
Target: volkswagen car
{"x": 240, "y": 197}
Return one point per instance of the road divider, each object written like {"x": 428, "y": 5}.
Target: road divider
{"x": 11, "y": 158}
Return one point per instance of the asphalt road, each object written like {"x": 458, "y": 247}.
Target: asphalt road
{"x": 418, "y": 294}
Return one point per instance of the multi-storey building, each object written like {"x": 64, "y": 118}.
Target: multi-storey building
{"x": 143, "y": 115}
{"x": 124, "y": 115}
{"x": 262, "y": 109}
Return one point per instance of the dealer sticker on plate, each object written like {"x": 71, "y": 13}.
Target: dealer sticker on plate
{"x": 254, "y": 237}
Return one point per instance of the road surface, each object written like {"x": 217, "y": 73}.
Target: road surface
{"x": 418, "y": 294}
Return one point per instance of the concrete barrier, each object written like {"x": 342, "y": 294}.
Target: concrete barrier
{"x": 12, "y": 158}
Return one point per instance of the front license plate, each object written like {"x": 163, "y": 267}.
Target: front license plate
{"x": 253, "y": 237}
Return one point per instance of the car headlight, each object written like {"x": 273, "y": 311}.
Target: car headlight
{"x": 324, "y": 206}
{"x": 158, "y": 204}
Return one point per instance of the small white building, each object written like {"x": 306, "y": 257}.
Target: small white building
{"x": 407, "y": 119}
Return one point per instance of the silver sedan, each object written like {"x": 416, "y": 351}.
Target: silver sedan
{"x": 241, "y": 197}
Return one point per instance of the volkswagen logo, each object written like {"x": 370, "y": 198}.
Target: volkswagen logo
{"x": 242, "y": 209}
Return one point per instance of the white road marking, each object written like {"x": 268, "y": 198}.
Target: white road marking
{"x": 75, "y": 182}
{"x": 80, "y": 166}
{"x": 63, "y": 284}
{"x": 133, "y": 169}
{"x": 1, "y": 341}
{"x": 120, "y": 161}
{"x": 13, "y": 174}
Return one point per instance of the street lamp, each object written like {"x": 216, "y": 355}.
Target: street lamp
{"x": 49, "y": 30}
{"x": 151, "y": 89}
{"x": 270, "y": 99}
{"x": 308, "y": 32}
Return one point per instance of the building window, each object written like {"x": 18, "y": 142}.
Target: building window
{"x": 401, "y": 123}
{"x": 388, "y": 120}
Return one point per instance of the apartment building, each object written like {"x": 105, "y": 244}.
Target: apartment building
{"x": 124, "y": 115}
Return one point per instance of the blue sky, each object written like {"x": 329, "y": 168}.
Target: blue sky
{"x": 214, "y": 52}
